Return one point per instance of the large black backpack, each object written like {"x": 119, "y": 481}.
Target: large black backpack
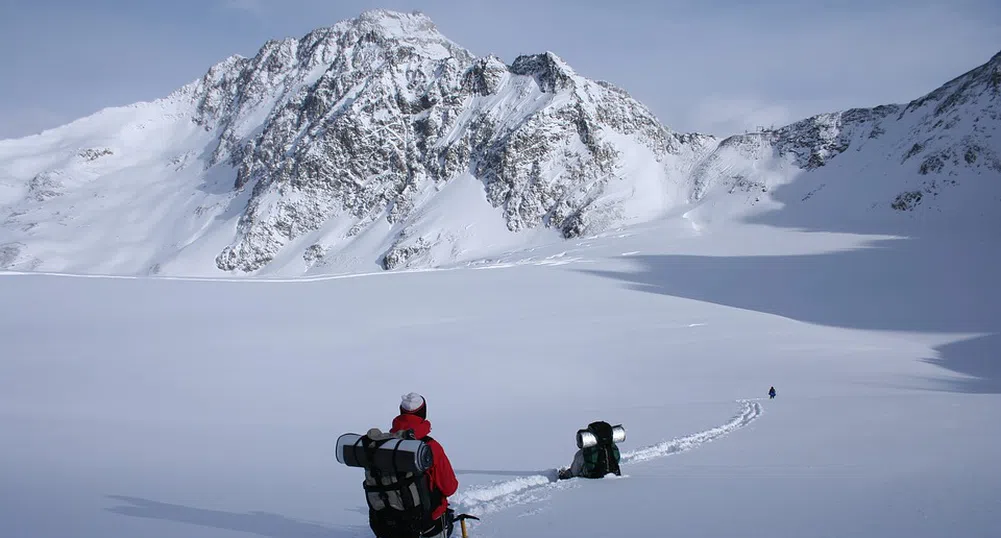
{"x": 397, "y": 486}
{"x": 602, "y": 458}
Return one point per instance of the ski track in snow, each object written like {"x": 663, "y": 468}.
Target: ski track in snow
{"x": 751, "y": 411}
{"x": 482, "y": 500}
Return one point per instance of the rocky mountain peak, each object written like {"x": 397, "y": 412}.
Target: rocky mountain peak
{"x": 401, "y": 36}
{"x": 398, "y": 110}
{"x": 396, "y": 24}
{"x": 550, "y": 71}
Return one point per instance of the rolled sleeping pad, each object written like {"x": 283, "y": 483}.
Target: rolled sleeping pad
{"x": 618, "y": 433}
{"x": 587, "y": 439}
{"x": 394, "y": 455}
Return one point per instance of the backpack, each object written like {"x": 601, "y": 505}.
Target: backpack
{"x": 397, "y": 486}
{"x": 602, "y": 458}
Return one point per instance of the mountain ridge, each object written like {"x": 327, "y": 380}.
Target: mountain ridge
{"x": 329, "y": 152}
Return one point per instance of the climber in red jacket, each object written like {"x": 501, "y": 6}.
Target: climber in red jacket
{"x": 413, "y": 416}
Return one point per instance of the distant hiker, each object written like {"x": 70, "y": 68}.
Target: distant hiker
{"x": 436, "y": 518}
{"x": 771, "y": 393}
{"x": 598, "y": 454}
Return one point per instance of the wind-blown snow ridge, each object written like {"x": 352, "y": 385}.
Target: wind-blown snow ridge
{"x": 496, "y": 497}
{"x": 534, "y": 488}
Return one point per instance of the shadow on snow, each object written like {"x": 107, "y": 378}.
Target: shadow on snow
{"x": 921, "y": 283}
{"x": 260, "y": 523}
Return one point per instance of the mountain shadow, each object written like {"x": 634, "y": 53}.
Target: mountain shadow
{"x": 931, "y": 278}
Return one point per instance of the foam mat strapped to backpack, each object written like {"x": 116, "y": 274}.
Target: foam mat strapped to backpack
{"x": 393, "y": 454}
{"x": 586, "y": 438}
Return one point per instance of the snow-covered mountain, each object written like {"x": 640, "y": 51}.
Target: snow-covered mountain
{"x": 378, "y": 142}
{"x": 939, "y": 155}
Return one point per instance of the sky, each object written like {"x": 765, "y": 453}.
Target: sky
{"x": 719, "y": 67}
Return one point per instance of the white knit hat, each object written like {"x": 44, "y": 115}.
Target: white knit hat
{"x": 412, "y": 403}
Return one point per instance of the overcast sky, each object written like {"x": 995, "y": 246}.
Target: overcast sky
{"x": 700, "y": 65}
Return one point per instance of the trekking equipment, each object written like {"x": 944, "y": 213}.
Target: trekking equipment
{"x": 586, "y": 438}
{"x": 601, "y": 456}
{"x": 393, "y": 453}
{"x": 397, "y": 488}
{"x": 462, "y": 521}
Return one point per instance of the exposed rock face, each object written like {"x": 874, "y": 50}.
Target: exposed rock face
{"x": 364, "y": 118}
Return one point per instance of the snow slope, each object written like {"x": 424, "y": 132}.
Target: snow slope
{"x": 166, "y": 407}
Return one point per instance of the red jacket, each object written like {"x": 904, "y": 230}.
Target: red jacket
{"x": 441, "y": 474}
